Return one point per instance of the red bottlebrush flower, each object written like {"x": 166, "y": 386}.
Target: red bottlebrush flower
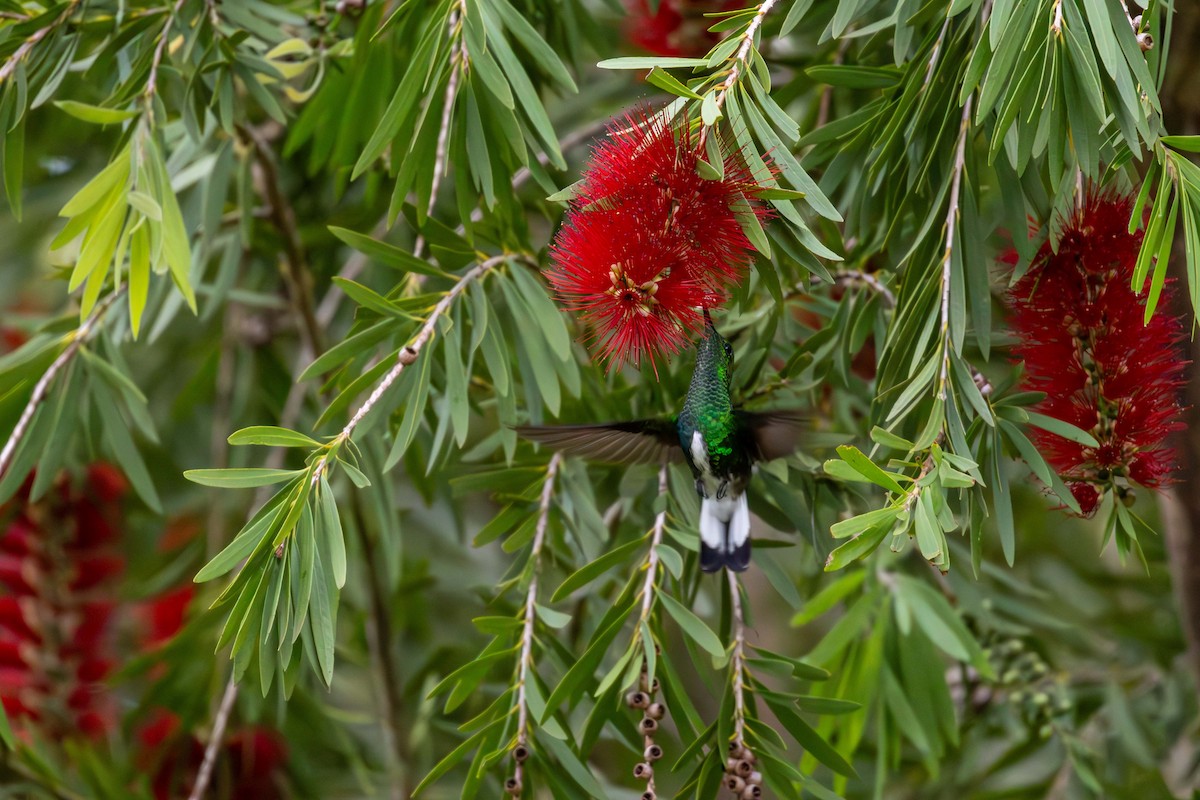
{"x": 648, "y": 241}
{"x": 248, "y": 761}
{"x": 57, "y": 570}
{"x": 677, "y": 27}
{"x": 1084, "y": 344}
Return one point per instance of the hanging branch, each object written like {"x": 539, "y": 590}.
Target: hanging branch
{"x": 740, "y": 776}
{"x": 42, "y": 388}
{"x": 408, "y": 355}
{"x": 644, "y": 699}
{"x": 743, "y": 52}
{"x": 19, "y": 55}
{"x": 220, "y": 722}
{"x": 159, "y": 50}
{"x": 521, "y": 750}
{"x": 458, "y": 64}
{"x": 952, "y": 216}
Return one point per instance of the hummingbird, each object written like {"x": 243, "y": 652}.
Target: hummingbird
{"x": 720, "y": 443}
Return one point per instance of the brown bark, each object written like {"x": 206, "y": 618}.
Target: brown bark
{"x": 1181, "y": 504}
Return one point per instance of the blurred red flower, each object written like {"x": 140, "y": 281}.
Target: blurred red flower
{"x": 676, "y": 27}
{"x": 648, "y": 241}
{"x": 247, "y": 763}
{"x": 1081, "y": 335}
{"x": 58, "y": 570}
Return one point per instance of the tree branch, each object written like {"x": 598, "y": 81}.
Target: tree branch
{"x": 737, "y": 660}
{"x": 42, "y": 388}
{"x": 410, "y": 352}
{"x": 743, "y": 52}
{"x": 458, "y": 63}
{"x": 526, "y": 657}
{"x": 952, "y": 216}
{"x": 19, "y": 55}
{"x": 159, "y": 50}
{"x": 215, "y": 738}
{"x": 296, "y": 274}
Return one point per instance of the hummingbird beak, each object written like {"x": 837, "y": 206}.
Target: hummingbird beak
{"x": 708, "y": 322}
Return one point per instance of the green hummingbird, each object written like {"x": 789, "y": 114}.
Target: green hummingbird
{"x": 719, "y": 442}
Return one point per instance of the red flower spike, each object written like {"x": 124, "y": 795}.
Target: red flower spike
{"x": 58, "y": 567}
{"x": 677, "y": 28}
{"x": 648, "y": 242}
{"x": 1082, "y": 338}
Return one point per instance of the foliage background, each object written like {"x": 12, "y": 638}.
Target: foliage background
{"x": 263, "y": 169}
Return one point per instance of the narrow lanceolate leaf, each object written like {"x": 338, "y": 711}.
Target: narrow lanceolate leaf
{"x": 272, "y": 436}
{"x": 386, "y": 254}
{"x": 693, "y": 626}
{"x": 240, "y": 477}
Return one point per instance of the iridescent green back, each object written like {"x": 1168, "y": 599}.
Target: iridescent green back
{"x": 708, "y": 407}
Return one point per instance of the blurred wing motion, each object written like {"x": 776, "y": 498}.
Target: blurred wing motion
{"x": 642, "y": 441}
{"x": 772, "y": 434}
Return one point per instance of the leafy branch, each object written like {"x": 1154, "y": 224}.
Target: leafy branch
{"x": 525, "y": 659}
{"x": 41, "y": 389}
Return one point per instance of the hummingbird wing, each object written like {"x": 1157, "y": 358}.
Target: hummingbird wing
{"x": 641, "y": 441}
{"x": 772, "y": 434}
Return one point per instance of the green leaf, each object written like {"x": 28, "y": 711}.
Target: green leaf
{"x": 240, "y": 477}
{"x": 387, "y": 254}
{"x": 693, "y": 626}
{"x": 272, "y": 436}
{"x": 95, "y": 114}
{"x": 1063, "y": 429}
{"x": 855, "y": 77}
{"x": 650, "y": 62}
{"x": 256, "y": 530}
{"x": 669, "y": 83}
{"x": 808, "y": 738}
{"x": 593, "y": 570}
{"x": 869, "y": 469}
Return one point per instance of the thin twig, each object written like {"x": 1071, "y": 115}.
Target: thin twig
{"x": 410, "y": 352}
{"x": 458, "y": 63}
{"x": 1057, "y": 25}
{"x": 19, "y": 55}
{"x": 854, "y": 277}
{"x": 296, "y": 274}
{"x": 42, "y": 387}
{"x": 937, "y": 51}
{"x": 737, "y": 660}
{"x": 660, "y": 523}
{"x": 951, "y": 223}
{"x": 743, "y": 53}
{"x": 215, "y": 738}
{"x": 159, "y": 50}
{"x": 526, "y": 658}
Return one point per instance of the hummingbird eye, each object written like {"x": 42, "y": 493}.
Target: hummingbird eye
{"x": 728, "y": 350}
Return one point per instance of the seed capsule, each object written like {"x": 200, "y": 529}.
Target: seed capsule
{"x": 653, "y": 753}
{"x": 637, "y": 700}
{"x": 734, "y": 784}
{"x": 649, "y": 725}
{"x": 643, "y": 771}
{"x": 520, "y": 753}
{"x": 649, "y": 795}
{"x": 656, "y": 711}
{"x": 743, "y": 768}
{"x": 513, "y": 786}
{"x": 752, "y": 792}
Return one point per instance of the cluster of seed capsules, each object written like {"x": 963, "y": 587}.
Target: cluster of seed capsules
{"x": 652, "y": 714}
{"x": 742, "y": 777}
{"x": 1043, "y": 702}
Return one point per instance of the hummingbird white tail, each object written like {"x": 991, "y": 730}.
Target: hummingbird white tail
{"x": 725, "y": 534}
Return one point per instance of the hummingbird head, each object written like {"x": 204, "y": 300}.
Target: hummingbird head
{"x": 714, "y": 355}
